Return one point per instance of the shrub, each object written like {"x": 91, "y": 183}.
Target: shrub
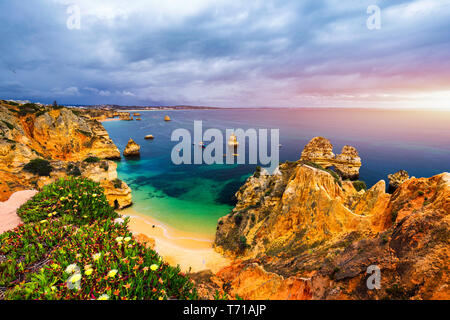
{"x": 109, "y": 263}
{"x": 73, "y": 170}
{"x": 104, "y": 165}
{"x": 359, "y": 185}
{"x": 9, "y": 125}
{"x": 91, "y": 160}
{"x": 238, "y": 219}
{"x": 257, "y": 172}
{"x": 394, "y": 215}
{"x": 28, "y": 108}
{"x": 243, "y": 243}
{"x": 420, "y": 193}
{"x": 117, "y": 183}
{"x": 38, "y": 166}
{"x": 78, "y": 200}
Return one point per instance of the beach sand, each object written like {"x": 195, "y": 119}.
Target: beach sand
{"x": 8, "y": 216}
{"x": 110, "y": 119}
{"x": 188, "y": 250}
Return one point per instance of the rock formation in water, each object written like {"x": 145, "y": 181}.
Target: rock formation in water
{"x": 62, "y": 137}
{"x": 396, "y": 179}
{"x": 320, "y": 151}
{"x": 149, "y": 137}
{"x": 167, "y": 118}
{"x": 132, "y": 149}
{"x": 304, "y": 234}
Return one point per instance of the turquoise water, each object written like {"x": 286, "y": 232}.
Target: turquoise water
{"x": 192, "y": 197}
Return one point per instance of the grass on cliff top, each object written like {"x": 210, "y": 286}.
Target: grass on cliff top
{"x": 336, "y": 177}
{"x": 78, "y": 200}
{"x": 80, "y": 251}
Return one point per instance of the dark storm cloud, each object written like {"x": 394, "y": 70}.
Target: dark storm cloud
{"x": 247, "y": 53}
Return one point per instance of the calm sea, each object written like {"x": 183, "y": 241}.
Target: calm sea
{"x": 192, "y": 197}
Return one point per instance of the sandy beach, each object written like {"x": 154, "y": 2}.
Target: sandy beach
{"x": 8, "y": 217}
{"x": 110, "y": 119}
{"x": 188, "y": 250}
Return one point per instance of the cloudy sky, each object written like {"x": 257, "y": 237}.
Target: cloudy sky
{"x": 247, "y": 53}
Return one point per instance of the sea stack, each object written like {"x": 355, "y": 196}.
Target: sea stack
{"x": 233, "y": 141}
{"x": 320, "y": 151}
{"x": 396, "y": 179}
{"x": 167, "y": 118}
{"x": 149, "y": 137}
{"x": 132, "y": 149}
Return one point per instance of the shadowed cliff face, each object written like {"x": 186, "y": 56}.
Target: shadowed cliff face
{"x": 65, "y": 139}
{"x": 305, "y": 235}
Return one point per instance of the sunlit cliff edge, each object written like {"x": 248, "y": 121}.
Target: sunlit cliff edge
{"x": 72, "y": 142}
{"x": 305, "y": 233}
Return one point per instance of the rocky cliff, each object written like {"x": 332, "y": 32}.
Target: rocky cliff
{"x": 62, "y": 137}
{"x": 320, "y": 150}
{"x": 303, "y": 234}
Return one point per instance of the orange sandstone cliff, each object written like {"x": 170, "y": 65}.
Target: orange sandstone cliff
{"x": 65, "y": 138}
{"x": 305, "y": 234}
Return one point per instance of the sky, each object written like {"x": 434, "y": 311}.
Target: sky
{"x": 252, "y": 53}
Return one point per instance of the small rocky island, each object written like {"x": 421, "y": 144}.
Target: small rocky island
{"x": 320, "y": 150}
{"x": 132, "y": 149}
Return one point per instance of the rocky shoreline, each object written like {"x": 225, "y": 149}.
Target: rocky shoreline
{"x": 308, "y": 234}
{"x": 68, "y": 143}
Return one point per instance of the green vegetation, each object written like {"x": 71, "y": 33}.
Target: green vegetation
{"x": 77, "y": 200}
{"x": 117, "y": 183}
{"x": 336, "y": 177}
{"x": 257, "y": 172}
{"x": 238, "y": 219}
{"x": 84, "y": 133}
{"x": 394, "y": 215}
{"x": 79, "y": 251}
{"x": 92, "y": 159}
{"x": 38, "y": 166}
{"x": 73, "y": 170}
{"x": 420, "y": 193}
{"x": 359, "y": 185}
{"x": 9, "y": 125}
{"x": 104, "y": 165}
{"x": 243, "y": 243}
{"x": 28, "y": 108}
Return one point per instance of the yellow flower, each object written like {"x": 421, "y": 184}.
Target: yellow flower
{"x": 49, "y": 215}
{"x": 127, "y": 239}
{"x": 75, "y": 278}
{"x": 103, "y": 297}
{"x": 154, "y": 267}
{"x": 119, "y": 239}
{"x": 112, "y": 273}
{"x": 88, "y": 272}
{"x": 53, "y": 288}
{"x": 160, "y": 298}
{"x": 97, "y": 256}
{"x": 43, "y": 221}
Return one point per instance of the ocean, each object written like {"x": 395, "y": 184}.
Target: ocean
{"x": 191, "y": 198}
